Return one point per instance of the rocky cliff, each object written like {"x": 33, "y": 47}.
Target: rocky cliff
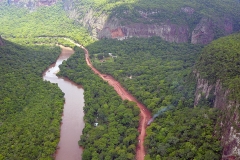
{"x": 102, "y": 27}
{"x": 202, "y": 31}
{"x": 32, "y": 4}
{"x": 229, "y": 121}
{"x": 167, "y": 31}
{"x": 121, "y": 19}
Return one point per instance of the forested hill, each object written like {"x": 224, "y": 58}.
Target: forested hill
{"x": 218, "y": 71}
{"x": 175, "y": 20}
{"x": 30, "y": 108}
{"x": 223, "y": 52}
{"x": 49, "y": 22}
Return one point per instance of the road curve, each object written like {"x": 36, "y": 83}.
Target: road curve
{"x": 145, "y": 114}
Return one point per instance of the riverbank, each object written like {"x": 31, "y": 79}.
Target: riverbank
{"x": 72, "y": 118}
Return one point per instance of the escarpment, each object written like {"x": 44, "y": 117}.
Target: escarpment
{"x": 218, "y": 85}
{"x": 184, "y": 25}
{"x": 167, "y": 31}
{"x": 181, "y": 22}
{"x": 229, "y": 122}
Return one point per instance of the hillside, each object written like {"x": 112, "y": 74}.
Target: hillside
{"x": 158, "y": 73}
{"x": 31, "y": 108}
{"x": 174, "y": 21}
{"x": 197, "y": 22}
{"x": 217, "y": 72}
{"x": 48, "y": 22}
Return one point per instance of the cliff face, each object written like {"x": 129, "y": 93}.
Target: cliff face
{"x": 205, "y": 30}
{"x": 185, "y": 24}
{"x": 229, "y": 121}
{"x": 148, "y": 24}
{"x": 167, "y": 31}
{"x": 32, "y": 4}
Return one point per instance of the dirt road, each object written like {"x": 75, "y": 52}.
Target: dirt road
{"x": 145, "y": 115}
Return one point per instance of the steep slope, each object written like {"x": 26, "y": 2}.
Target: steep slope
{"x": 217, "y": 72}
{"x": 178, "y": 21}
{"x": 45, "y": 22}
{"x": 30, "y": 109}
{"x": 175, "y": 21}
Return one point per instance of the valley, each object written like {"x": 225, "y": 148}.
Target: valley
{"x": 160, "y": 79}
{"x": 145, "y": 115}
{"x": 72, "y": 122}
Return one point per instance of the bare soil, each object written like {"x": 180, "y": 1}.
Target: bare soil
{"x": 145, "y": 114}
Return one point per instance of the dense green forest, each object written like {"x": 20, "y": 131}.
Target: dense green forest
{"x": 27, "y": 26}
{"x": 159, "y": 74}
{"x": 224, "y": 52}
{"x": 154, "y": 71}
{"x": 115, "y": 137}
{"x": 185, "y": 133}
{"x": 31, "y": 108}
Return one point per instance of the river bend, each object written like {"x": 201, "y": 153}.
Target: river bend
{"x": 72, "y": 118}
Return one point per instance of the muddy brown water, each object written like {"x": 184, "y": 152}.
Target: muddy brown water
{"x": 72, "y": 118}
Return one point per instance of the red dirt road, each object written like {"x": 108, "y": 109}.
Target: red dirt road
{"x": 145, "y": 115}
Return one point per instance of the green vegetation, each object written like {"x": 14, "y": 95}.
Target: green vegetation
{"x": 154, "y": 71}
{"x": 220, "y": 60}
{"x": 186, "y": 133}
{"x": 31, "y": 108}
{"x": 115, "y": 137}
{"x": 102, "y": 58}
{"x": 43, "y": 22}
{"x": 158, "y": 73}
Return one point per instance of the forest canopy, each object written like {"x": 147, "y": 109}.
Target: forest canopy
{"x": 50, "y": 22}
{"x": 115, "y": 136}
{"x": 158, "y": 73}
{"x": 31, "y": 109}
{"x": 224, "y": 52}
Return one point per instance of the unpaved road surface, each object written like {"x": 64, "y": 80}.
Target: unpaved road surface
{"x": 145, "y": 115}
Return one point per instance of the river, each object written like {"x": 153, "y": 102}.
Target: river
{"x": 72, "y": 118}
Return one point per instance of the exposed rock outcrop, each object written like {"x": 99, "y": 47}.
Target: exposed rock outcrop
{"x": 203, "y": 32}
{"x": 191, "y": 26}
{"x": 229, "y": 122}
{"x": 32, "y": 4}
{"x": 93, "y": 23}
{"x": 103, "y": 26}
{"x": 167, "y": 31}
